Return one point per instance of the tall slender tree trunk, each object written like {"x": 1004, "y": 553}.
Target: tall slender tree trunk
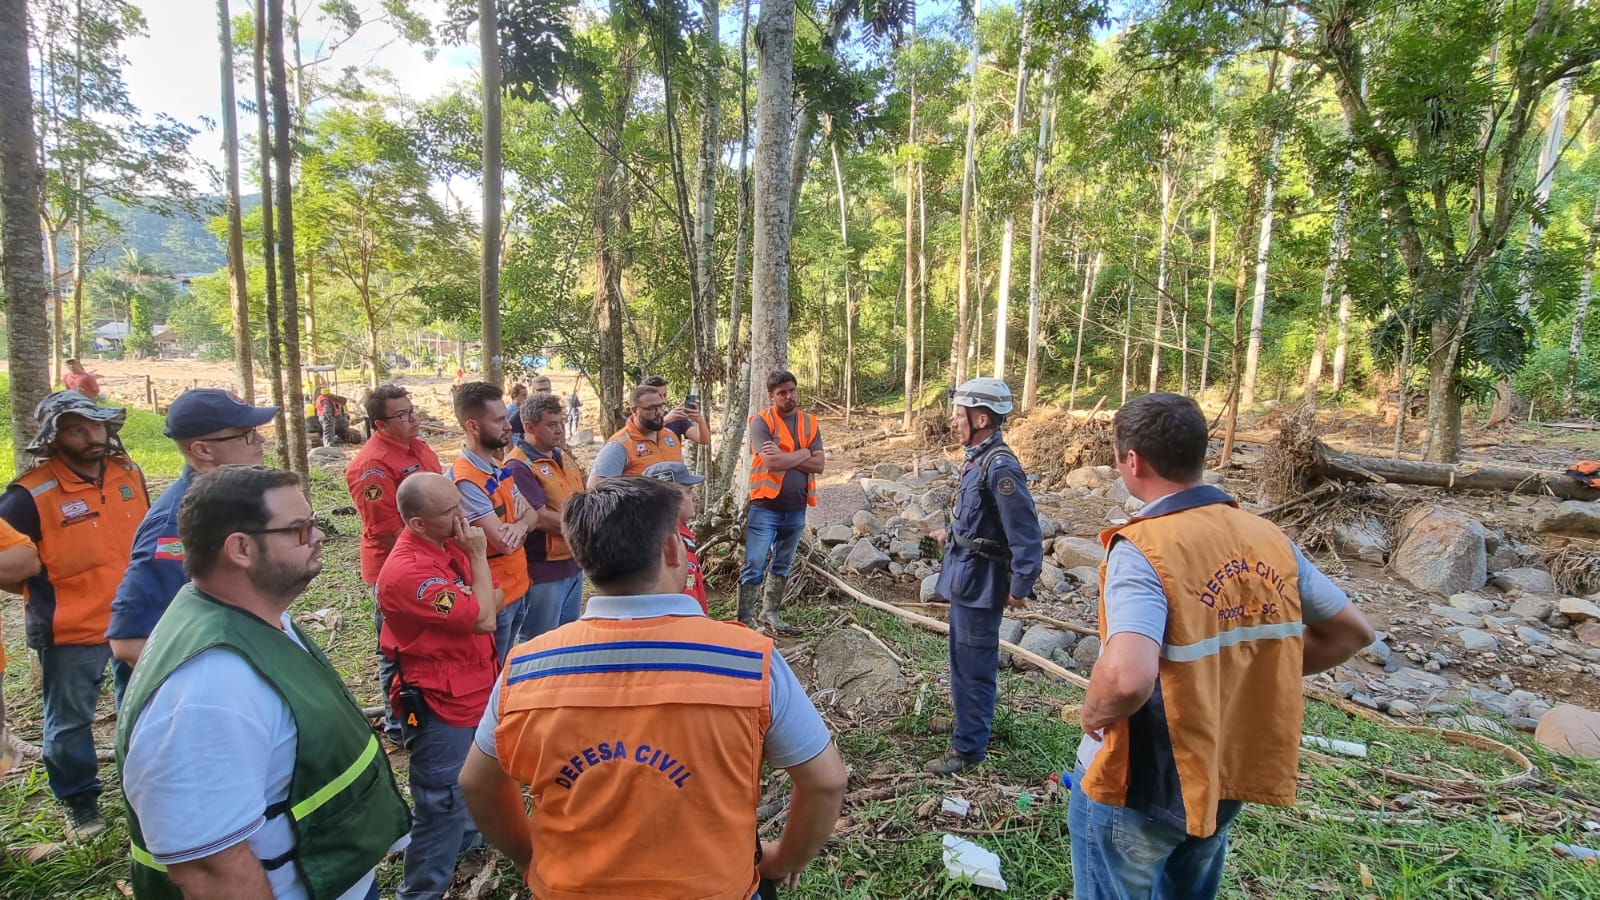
{"x": 1008, "y": 230}
{"x": 706, "y": 163}
{"x": 803, "y": 121}
{"x": 238, "y": 281}
{"x": 1089, "y": 278}
{"x": 1211, "y": 265}
{"x": 1258, "y": 305}
{"x": 269, "y": 238}
{"x": 1164, "y": 182}
{"x": 738, "y": 366}
{"x": 1041, "y": 158}
{"x": 1581, "y": 312}
{"x": 958, "y": 350}
{"x": 1127, "y": 343}
{"x": 58, "y": 333}
{"x": 493, "y": 362}
{"x": 769, "y": 306}
{"x": 908, "y": 281}
{"x": 22, "y": 265}
{"x": 283, "y": 157}
{"x": 922, "y": 280}
{"x": 849, "y": 298}
{"x": 1332, "y": 279}
{"x": 80, "y": 166}
{"x": 1183, "y": 342}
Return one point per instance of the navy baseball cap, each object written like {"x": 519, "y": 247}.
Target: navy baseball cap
{"x": 204, "y": 410}
{"x": 675, "y": 472}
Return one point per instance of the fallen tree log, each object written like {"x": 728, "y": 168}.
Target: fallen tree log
{"x": 1329, "y": 463}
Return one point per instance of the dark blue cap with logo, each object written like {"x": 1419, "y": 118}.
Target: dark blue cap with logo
{"x": 205, "y": 410}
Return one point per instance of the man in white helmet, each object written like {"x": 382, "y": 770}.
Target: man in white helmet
{"x": 992, "y": 560}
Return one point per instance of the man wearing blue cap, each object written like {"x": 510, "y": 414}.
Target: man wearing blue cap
{"x": 212, "y": 428}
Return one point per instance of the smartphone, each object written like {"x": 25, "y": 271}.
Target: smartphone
{"x": 691, "y": 401}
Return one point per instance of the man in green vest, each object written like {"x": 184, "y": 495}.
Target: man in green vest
{"x": 249, "y": 770}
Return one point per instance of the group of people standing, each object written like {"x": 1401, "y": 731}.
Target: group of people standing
{"x": 249, "y": 769}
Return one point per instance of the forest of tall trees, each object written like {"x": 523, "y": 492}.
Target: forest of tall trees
{"x": 1251, "y": 202}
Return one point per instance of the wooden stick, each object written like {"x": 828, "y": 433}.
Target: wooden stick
{"x": 932, "y": 624}
{"x": 879, "y": 641}
{"x": 1059, "y": 624}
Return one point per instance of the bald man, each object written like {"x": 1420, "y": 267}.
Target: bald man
{"x": 439, "y": 604}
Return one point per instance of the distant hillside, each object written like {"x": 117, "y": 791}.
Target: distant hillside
{"x": 180, "y": 243}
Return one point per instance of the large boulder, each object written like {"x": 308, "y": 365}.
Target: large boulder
{"x": 1578, "y": 609}
{"x": 865, "y": 524}
{"x": 1476, "y": 639}
{"x": 1071, "y": 552}
{"x": 937, "y": 499}
{"x": 1578, "y": 518}
{"x": 1045, "y": 641}
{"x": 1091, "y": 477}
{"x": 882, "y": 490}
{"x": 1526, "y": 579}
{"x": 928, "y": 591}
{"x": 1365, "y": 541}
{"x": 865, "y": 677}
{"x": 1052, "y": 579}
{"x": 326, "y": 456}
{"x": 1087, "y": 652}
{"x": 833, "y": 535}
{"x": 1011, "y": 632}
{"x": 1117, "y": 491}
{"x": 865, "y": 558}
{"x": 1441, "y": 551}
{"x": 1571, "y": 730}
{"x": 836, "y": 503}
{"x": 888, "y": 471}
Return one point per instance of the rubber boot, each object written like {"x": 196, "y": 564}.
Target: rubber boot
{"x": 748, "y": 594}
{"x": 771, "y": 602}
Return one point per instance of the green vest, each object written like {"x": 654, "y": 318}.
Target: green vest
{"x": 343, "y": 806}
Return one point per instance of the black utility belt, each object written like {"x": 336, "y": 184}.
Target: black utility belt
{"x": 996, "y": 551}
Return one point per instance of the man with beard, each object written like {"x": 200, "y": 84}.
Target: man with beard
{"x": 81, "y": 506}
{"x": 211, "y": 428}
{"x": 490, "y": 500}
{"x": 642, "y": 441}
{"x": 225, "y": 800}
{"x": 787, "y": 458}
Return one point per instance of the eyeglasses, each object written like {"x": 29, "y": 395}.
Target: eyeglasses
{"x": 659, "y": 407}
{"x": 302, "y": 530}
{"x": 407, "y": 415}
{"x": 252, "y": 437}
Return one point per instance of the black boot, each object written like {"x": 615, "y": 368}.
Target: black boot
{"x": 771, "y": 603}
{"x": 748, "y": 594}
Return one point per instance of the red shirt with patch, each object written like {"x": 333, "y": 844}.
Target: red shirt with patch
{"x": 696, "y": 587}
{"x": 374, "y": 476}
{"x": 430, "y": 616}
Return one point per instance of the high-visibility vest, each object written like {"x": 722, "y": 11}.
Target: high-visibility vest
{"x": 645, "y": 449}
{"x": 510, "y": 570}
{"x": 343, "y": 805}
{"x": 765, "y": 484}
{"x": 560, "y": 480}
{"x": 1224, "y": 721}
{"x": 641, "y": 741}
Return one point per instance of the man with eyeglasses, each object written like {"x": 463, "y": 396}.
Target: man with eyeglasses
{"x": 211, "y": 428}
{"x": 248, "y": 768}
{"x": 643, "y": 441}
{"x": 394, "y": 454}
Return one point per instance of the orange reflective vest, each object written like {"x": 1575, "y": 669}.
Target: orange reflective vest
{"x": 645, "y": 449}
{"x": 560, "y": 481}
{"x": 510, "y": 570}
{"x": 642, "y": 742}
{"x": 1224, "y": 721}
{"x": 86, "y": 532}
{"x": 765, "y": 484}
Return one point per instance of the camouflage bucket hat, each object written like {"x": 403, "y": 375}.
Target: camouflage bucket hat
{"x": 50, "y": 410}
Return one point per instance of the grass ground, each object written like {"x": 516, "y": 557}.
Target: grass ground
{"x": 1353, "y": 833}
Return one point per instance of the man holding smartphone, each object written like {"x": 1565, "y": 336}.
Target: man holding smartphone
{"x": 685, "y": 420}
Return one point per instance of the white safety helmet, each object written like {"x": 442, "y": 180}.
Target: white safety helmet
{"x": 987, "y": 393}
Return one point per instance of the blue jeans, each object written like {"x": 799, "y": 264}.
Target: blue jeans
{"x": 551, "y": 604}
{"x": 1122, "y": 854}
{"x": 440, "y": 825}
{"x": 73, "y": 675}
{"x": 770, "y": 533}
{"x": 508, "y": 625}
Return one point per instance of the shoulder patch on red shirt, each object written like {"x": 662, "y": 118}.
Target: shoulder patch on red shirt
{"x": 443, "y": 602}
{"x": 373, "y": 493}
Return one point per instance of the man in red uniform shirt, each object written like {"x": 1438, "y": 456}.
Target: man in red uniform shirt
{"x": 394, "y": 454}
{"x": 439, "y": 606}
{"x": 679, "y": 474}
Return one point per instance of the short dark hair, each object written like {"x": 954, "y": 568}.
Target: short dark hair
{"x": 779, "y": 379}
{"x": 1168, "y": 431}
{"x": 656, "y": 381}
{"x": 474, "y": 397}
{"x": 377, "y": 403}
{"x": 534, "y": 408}
{"x": 222, "y": 502}
{"x": 640, "y": 391}
{"x": 615, "y": 531}
{"x": 519, "y": 386}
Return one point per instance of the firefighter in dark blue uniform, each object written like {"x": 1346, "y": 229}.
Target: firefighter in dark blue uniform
{"x": 992, "y": 559}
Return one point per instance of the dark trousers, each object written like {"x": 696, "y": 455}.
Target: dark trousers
{"x": 440, "y": 826}
{"x": 974, "y": 664}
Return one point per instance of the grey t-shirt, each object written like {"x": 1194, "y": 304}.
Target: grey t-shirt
{"x": 792, "y": 493}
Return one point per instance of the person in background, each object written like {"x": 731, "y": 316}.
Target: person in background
{"x": 787, "y": 457}
{"x": 574, "y": 410}
{"x": 211, "y": 428}
{"x": 642, "y": 441}
{"x": 547, "y": 476}
{"x": 79, "y": 379}
{"x": 439, "y": 606}
{"x": 992, "y": 565}
{"x": 81, "y": 505}
{"x": 540, "y": 385}
{"x": 248, "y": 769}
{"x": 686, "y": 421}
{"x": 687, "y": 481}
{"x": 646, "y": 770}
{"x": 1195, "y": 704}
{"x": 395, "y": 453}
{"x": 519, "y": 393}
{"x": 19, "y": 561}
{"x": 489, "y": 500}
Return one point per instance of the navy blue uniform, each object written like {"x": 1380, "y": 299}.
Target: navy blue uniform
{"x": 992, "y": 550}
{"x": 155, "y": 570}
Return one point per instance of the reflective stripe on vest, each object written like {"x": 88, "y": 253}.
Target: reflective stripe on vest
{"x": 510, "y": 570}
{"x": 637, "y": 656}
{"x": 1213, "y": 645}
{"x": 766, "y": 484}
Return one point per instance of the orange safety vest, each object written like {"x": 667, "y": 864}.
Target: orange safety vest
{"x": 642, "y": 743}
{"x": 559, "y": 482}
{"x": 1224, "y": 721}
{"x": 644, "y": 450}
{"x": 764, "y": 483}
{"x": 510, "y": 570}
{"x": 86, "y": 535}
